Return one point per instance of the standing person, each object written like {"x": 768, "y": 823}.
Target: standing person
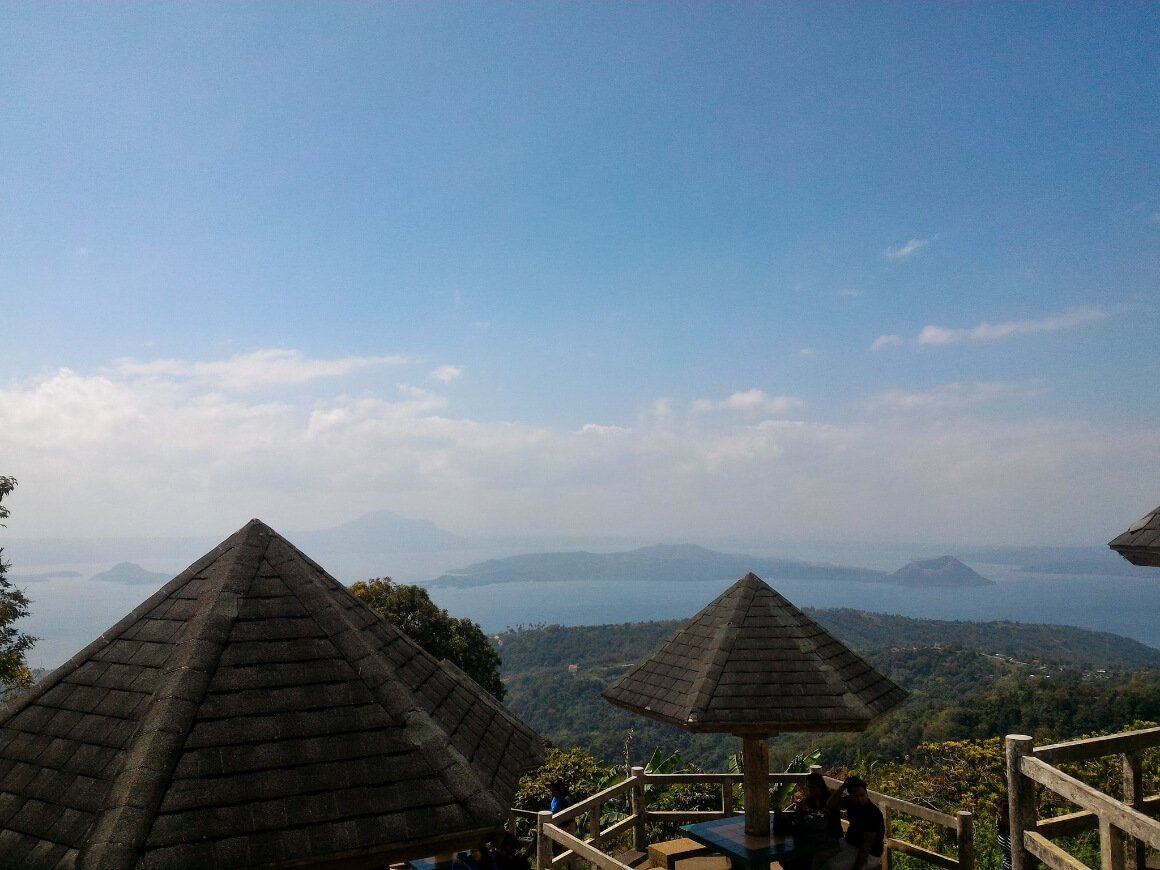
{"x": 866, "y": 837}
{"x": 560, "y": 799}
{"x": 1003, "y": 829}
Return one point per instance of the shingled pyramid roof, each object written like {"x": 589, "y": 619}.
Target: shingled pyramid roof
{"x": 752, "y": 663}
{"x": 253, "y": 712}
{"x": 1140, "y": 544}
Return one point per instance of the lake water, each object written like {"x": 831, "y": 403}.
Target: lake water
{"x": 68, "y": 613}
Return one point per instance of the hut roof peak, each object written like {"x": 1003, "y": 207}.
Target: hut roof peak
{"x": 250, "y": 712}
{"x": 752, "y": 663}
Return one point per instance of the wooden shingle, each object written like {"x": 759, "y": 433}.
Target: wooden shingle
{"x": 1140, "y": 544}
{"x": 252, "y": 712}
{"x": 752, "y": 663}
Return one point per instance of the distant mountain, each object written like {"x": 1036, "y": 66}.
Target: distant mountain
{"x": 381, "y": 531}
{"x": 132, "y": 574}
{"x": 671, "y": 562}
{"x": 943, "y": 571}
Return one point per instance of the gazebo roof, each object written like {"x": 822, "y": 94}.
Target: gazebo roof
{"x": 752, "y": 663}
{"x": 254, "y": 712}
{"x": 1140, "y": 544}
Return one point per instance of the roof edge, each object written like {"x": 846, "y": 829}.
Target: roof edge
{"x": 395, "y": 697}
{"x": 117, "y": 837}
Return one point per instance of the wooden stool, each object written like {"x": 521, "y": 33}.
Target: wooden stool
{"x": 667, "y": 854}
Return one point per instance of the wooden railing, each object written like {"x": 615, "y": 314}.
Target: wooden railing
{"x": 1126, "y": 826}
{"x": 560, "y": 828}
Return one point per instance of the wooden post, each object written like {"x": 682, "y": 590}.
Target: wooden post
{"x": 543, "y": 844}
{"x": 887, "y": 861}
{"x": 1135, "y": 857}
{"x": 756, "y": 782}
{"x": 637, "y": 808}
{"x": 1021, "y": 797}
{"x": 966, "y": 835}
{"x": 1111, "y": 846}
{"x": 726, "y": 799}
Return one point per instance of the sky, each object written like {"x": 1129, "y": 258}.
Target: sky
{"x": 769, "y": 271}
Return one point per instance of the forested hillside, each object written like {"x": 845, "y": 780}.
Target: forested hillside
{"x": 967, "y": 681}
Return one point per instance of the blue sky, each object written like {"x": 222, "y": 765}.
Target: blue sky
{"x": 774, "y": 271}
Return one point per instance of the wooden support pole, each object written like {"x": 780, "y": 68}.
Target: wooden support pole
{"x": 1111, "y": 846}
{"x": 887, "y": 860}
{"x": 543, "y": 844}
{"x": 756, "y": 784}
{"x": 1021, "y": 797}
{"x": 1136, "y": 853}
{"x": 966, "y": 839}
{"x": 638, "y": 810}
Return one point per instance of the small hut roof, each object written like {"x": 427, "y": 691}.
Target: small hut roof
{"x": 752, "y": 663}
{"x": 1140, "y": 544}
{"x": 253, "y": 712}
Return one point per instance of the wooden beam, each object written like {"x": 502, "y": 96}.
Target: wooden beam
{"x": 925, "y": 854}
{"x": 1085, "y": 820}
{"x": 1050, "y": 854}
{"x": 756, "y": 783}
{"x": 1125, "y": 818}
{"x": 1094, "y": 747}
{"x": 582, "y": 849}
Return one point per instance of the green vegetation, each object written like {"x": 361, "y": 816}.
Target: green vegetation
{"x": 967, "y": 681}
{"x": 460, "y": 641}
{"x": 14, "y": 644}
{"x": 970, "y": 684}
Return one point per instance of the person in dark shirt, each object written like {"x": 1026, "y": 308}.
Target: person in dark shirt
{"x": 865, "y": 838}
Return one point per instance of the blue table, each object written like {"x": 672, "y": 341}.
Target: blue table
{"x": 727, "y": 836}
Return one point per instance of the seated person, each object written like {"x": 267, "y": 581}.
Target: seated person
{"x": 509, "y": 856}
{"x": 812, "y": 811}
{"x": 861, "y": 849}
{"x": 815, "y": 822}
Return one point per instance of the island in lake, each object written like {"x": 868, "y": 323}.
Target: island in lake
{"x": 943, "y": 571}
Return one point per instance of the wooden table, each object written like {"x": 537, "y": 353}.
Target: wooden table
{"x": 728, "y": 837}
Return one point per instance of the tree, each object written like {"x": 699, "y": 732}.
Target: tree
{"x": 461, "y": 641}
{"x": 14, "y": 671}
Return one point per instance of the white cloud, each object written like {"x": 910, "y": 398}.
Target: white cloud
{"x": 260, "y": 368}
{"x": 941, "y": 335}
{"x": 906, "y": 251}
{"x": 749, "y": 402}
{"x": 116, "y": 454}
{"x": 886, "y": 341}
{"x": 1069, "y": 319}
{"x": 446, "y": 373}
{"x": 808, "y": 352}
{"x": 849, "y": 293}
{"x": 954, "y": 395}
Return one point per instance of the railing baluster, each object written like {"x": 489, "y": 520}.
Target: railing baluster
{"x": 966, "y": 839}
{"x": 1135, "y": 857}
{"x": 1021, "y": 797}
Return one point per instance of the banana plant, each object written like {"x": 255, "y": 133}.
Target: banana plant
{"x": 781, "y": 796}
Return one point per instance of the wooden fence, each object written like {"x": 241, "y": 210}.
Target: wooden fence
{"x": 1126, "y": 826}
{"x": 561, "y": 828}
